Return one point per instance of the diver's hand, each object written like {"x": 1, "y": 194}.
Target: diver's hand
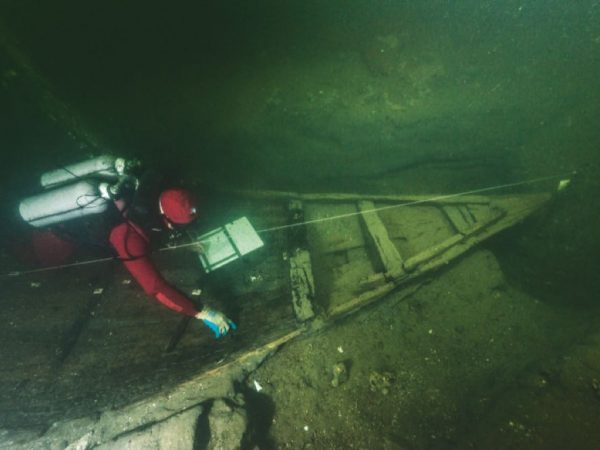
{"x": 218, "y": 322}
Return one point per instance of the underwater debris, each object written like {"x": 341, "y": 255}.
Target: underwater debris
{"x": 340, "y": 374}
{"x": 381, "y": 381}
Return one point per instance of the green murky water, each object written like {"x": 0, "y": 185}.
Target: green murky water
{"x": 381, "y": 97}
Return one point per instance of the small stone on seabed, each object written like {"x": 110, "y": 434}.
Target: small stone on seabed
{"x": 340, "y": 374}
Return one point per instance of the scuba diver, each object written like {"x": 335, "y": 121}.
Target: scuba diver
{"x": 108, "y": 183}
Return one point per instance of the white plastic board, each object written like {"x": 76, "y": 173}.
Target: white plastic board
{"x": 228, "y": 243}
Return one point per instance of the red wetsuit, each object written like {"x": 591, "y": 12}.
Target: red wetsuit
{"x": 132, "y": 246}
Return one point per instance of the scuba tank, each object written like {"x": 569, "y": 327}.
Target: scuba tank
{"x": 104, "y": 166}
{"x": 79, "y": 190}
{"x": 63, "y": 203}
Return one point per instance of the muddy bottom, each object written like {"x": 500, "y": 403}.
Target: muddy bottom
{"x": 466, "y": 362}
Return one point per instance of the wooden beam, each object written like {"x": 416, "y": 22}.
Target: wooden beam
{"x": 459, "y": 217}
{"x": 390, "y": 257}
{"x": 345, "y": 197}
{"x": 303, "y": 284}
{"x": 431, "y": 252}
{"x": 366, "y": 298}
{"x": 301, "y": 275}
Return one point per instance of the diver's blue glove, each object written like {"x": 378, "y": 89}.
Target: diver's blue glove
{"x": 218, "y": 322}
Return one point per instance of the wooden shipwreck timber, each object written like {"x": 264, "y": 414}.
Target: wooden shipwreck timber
{"x": 86, "y": 339}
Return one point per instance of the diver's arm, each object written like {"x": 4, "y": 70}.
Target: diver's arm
{"x": 132, "y": 246}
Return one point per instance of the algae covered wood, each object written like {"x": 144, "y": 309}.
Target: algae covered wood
{"x": 353, "y": 197}
{"x": 460, "y": 217}
{"x": 303, "y": 284}
{"x": 301, "y": 273}
{"x": 390, "y": 257}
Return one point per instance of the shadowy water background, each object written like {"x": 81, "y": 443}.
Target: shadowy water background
{"x": 384, "y": 96}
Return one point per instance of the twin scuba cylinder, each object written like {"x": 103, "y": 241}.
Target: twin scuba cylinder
{"x": 74, "y": 191}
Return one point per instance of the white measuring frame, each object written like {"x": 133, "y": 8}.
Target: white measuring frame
{"x": 228, "y": 243}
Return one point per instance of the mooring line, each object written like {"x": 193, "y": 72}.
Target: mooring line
{"x": 309, "y": 222}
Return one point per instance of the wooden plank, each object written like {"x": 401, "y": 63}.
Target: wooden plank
{"x": 459, "y": 216}
{"x": 366, "y": 298}
{"x": 303, "y": 285}
{"x": 413, "y": 262}
{"x": 469, "y": 217}
{"x": 510, "y": 211}
{"x": 374, "y": 281}
{"x": 442, "y": 247}
{"x": 301, "y": 275}
{"x": 345, "y": 197}
{"x": 390, "y": 257}
{"x": 332, "y": 236}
